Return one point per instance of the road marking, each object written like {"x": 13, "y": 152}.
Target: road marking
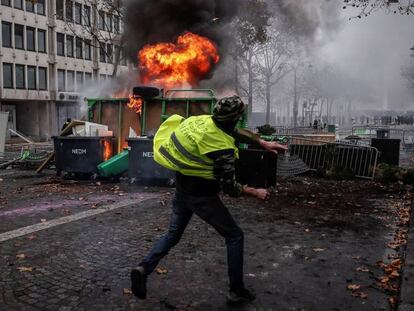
{"x": 64, "y": 220}
{"x": 5, "y": 174}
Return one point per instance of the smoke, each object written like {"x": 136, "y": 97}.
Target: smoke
{"x": 149, "y": 21}
{"x": 315, "y": 20}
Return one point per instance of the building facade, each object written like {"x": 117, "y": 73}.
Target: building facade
{"x": 49, "y": 51}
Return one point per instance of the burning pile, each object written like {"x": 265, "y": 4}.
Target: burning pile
{"x": 184, "y": 63}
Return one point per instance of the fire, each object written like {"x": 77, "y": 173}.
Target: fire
{"x": 135, "y": 103}
{"x": 185, "y": 62}
{"x": 107, "y": 150}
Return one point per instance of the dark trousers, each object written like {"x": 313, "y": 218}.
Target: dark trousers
{"x": 213, "y": 212}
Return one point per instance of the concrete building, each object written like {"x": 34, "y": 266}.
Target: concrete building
{"x": 49, "y": 49}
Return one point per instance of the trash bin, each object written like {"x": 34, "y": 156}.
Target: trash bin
{"x": 256, "y": 168}
{"x": 81, "y": 155}
{"x": 389, "y": 150}
{"x": 332, "y": 128}
{"x": 383, "y": 133}
{"x": 142, "y": 167}
{"x": 115, "y": 166}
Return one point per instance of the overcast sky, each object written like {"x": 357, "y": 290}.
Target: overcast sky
{"x": 374, "y": 49}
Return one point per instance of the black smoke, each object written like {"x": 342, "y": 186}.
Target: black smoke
{"x": 152, "y": 21}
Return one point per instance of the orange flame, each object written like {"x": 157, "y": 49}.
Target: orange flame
{"x": 172, "y": 65}
{"x": 135, "y": 103}
{"x": 107, "y": 150}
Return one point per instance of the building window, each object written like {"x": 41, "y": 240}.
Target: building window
{"x": 30, "y": 39}
{"x": 102, "y": 53}
{"x": 6, "y": 2}
{"x": 69, "y": 11}
{"x": 88, "y": 77}
{"x": 109, "y": 22}
{"x": 109, "y": 53}
{"x": 101, "y": 20}
{"x": 116, "y": 24}
{"x": 60, "y": 38}
{"x": 41, "y": 41}
{"x": 79, "y": 79}
{"x": 123, "y": 57}
{"x": 79, "y": 48}
{"x": 30, "y": 6}
{"x": 42, "y": 78}
{"x": 69, "y": 46}
{"x": 6, "y": 32}
{"x": 61, "y": 80}
{"x": 88, "y": 54}
{"x": 18, "y": 4}
{"x": 7, "y": 76}
{"x": 31, "y": 78}
{"x": 40, "y": 7}
{"x": 87, "y": 15}
{"x": 18, "y": 36}
{"x": 78, "y": 13}
{"x": 20, "y": 77}
{"x": 71, "y": 80}
{"x": 59, "y": 9}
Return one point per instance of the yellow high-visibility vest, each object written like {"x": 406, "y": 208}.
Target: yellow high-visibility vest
{"x": 181, "y": 145}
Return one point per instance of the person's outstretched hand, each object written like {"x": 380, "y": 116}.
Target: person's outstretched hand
{"x": 273, "y": 146}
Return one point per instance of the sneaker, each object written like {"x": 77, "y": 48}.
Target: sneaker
{"x": 139, "y": 282}
{"x": 240, "y": 295}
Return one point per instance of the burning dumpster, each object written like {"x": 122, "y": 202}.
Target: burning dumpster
{"x": 81, "y": 154}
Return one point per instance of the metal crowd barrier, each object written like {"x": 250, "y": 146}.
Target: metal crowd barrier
{"x": 317, "y": 155}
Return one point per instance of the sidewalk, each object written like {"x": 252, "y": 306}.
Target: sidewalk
{"x": 407, "y": 283}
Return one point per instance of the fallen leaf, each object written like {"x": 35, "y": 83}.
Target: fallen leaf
{"x": 25, "y": 269}
{"x": 362, "y": 269}
{"x": 93, "y": 206}
{"x": 127, "y": 291}
{"x": 392, "y": 300}
{"x": 394, "y": 274}
{"x": 43, "y": 220}
{"x": 161, "y": 270}
{"x": 360, "y": 295}
{"x": 20, "y": 256}
{"x": 384, "y": 279}
{"x": 353, "y": 287}
{"x": 31, "y": 237}
{"x": 318, "y": 249}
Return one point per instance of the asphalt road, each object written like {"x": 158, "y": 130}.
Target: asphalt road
{"x": 70, "y": 246}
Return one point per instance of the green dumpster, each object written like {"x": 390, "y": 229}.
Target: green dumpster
{"x": 115, "y": 166}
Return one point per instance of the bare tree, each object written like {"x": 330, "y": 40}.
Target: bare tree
{"x": 367, "y": 7}
{"x": 250, "y": 31}
{"x": 272, "y": 59}
{"x": 99, "y": 25}
{"x": 408, "y": 71}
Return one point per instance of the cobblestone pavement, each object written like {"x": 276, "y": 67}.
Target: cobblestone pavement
{"x": 303, "y": 247}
